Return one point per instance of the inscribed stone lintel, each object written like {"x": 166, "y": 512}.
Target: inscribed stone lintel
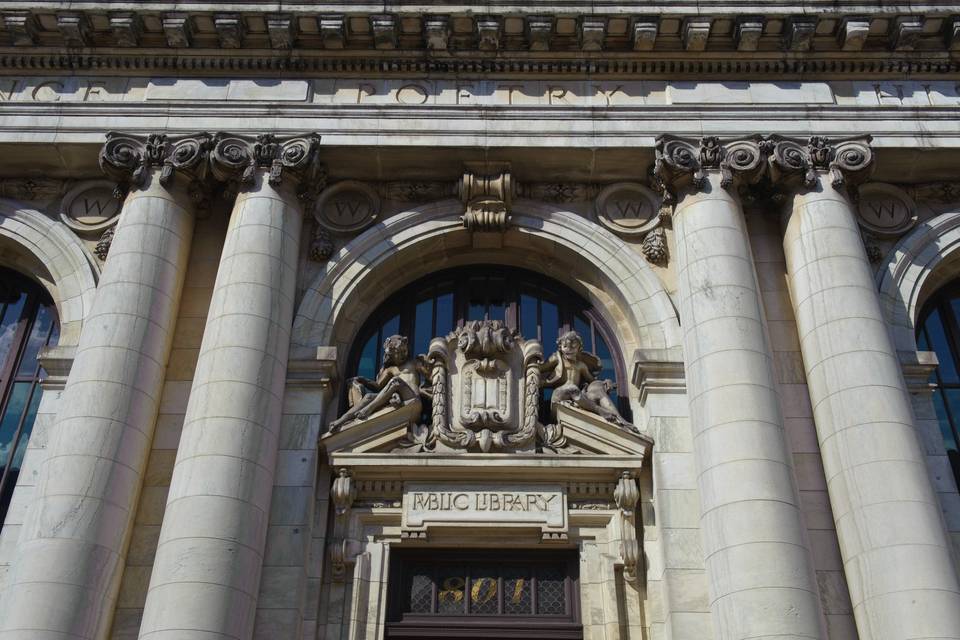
{"x": 488, "y": 504}
{"x": 419, "y": 92}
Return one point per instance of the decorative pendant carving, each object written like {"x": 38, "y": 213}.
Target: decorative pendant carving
{"x": 103, "y": 244}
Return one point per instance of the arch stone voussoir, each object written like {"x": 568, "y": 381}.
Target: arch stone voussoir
{"x": 29, "y": 239}
{"x": 542, "y": 237}
{"x": 920, "y": 262}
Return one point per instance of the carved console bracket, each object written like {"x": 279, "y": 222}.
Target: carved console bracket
{"x": 342, "y": 550}
{"x": 626, "y": 496}
{"x": 486, "y": 192}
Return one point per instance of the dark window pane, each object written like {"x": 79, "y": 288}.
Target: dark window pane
{"x": 476, "y": 311}
{"x": 27, "y": 427}
{"x": 451, "y": 590}
{"x": 516, "y": 591}
{"x": 421, "y": 590}
{"x": 444, "y": 314}
{"x": 582, "y": 326}
{"x": 8, "y": 325}
{"x": 938, "y": 340}
{"x": 38, "y": 338}
{"x": 551, "y": 326}
{"x": 953, "y": 401}
{"x": 11, "y": 418}
{"x": 528, "y": 317}
{"x": 391, "y": 327}
{"x": 423, "y": 326}
{"x": 483, "y": 591}
{"x": 368, "y": 358}
{"x": 551, "y": 591}
{"x": 606, "y": 359}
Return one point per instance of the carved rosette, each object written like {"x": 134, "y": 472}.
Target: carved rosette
{"x": 128, "y": 159}
{"x": 238, "y": 158}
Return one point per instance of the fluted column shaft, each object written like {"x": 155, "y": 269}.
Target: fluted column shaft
{"x": 892, "y": 538}
{"x": 65, "y": 580}
{"x": 760, "y": 575}
{"x": 206, "y": 574}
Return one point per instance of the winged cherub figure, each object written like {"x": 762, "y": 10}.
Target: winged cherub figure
{"x": 571, "y": 373}
{"x": 397, "y": 384}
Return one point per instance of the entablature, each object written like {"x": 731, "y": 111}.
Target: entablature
{"x": 551, "y": 38}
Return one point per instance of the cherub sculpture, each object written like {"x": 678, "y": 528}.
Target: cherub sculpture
{"x": 571, "y": 373}
{"x": 397, "y": 384}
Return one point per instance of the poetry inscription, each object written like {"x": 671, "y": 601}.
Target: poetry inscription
{"x": 521, "y": 504}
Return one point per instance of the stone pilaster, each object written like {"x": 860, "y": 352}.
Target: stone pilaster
{"x": 65, "y": 581}
{"x": 895, "y": 550}
{"x": 756, "y": 556}
{"x": 208, "y": 564}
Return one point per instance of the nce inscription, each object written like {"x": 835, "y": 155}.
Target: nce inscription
{"x": 543, "y": 505}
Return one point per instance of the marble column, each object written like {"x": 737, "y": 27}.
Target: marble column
{"x": 895, "y": 550}
{"x": 759, "y": 569}
{"x": 66, "y": 577}
{"x": 206, "y": 575}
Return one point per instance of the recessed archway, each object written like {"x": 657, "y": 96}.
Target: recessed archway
{"x": 560, "y": 244}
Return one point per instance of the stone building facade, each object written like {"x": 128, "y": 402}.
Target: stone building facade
{"x": 601, "y": 320}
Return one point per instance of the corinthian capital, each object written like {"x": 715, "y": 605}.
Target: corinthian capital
{"x": 847, "y": 161}
{"x": 128, "y": 158}
{"x": 237, "y": 158}
{"x": 684, "y": 162}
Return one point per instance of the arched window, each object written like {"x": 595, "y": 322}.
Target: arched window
{"x": 28, "y": 322}
{"x": 524, "y": 300}
{"x": 940, "y": 332}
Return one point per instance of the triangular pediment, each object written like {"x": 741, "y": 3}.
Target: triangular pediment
{"x": 584, "y": 435}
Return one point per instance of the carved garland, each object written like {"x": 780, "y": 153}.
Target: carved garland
{"x": 437, "y": 357}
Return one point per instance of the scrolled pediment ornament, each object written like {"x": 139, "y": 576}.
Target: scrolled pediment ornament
{"x": 483, "y": 383}
{"x": 128, "y": 159}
